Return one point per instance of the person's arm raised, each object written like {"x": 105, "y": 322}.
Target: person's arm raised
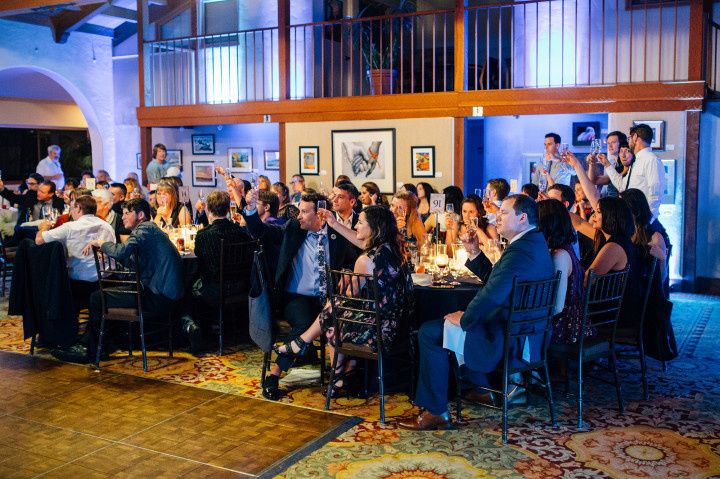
{"x": 347, "y": 233}
{"x": 588, "y": 186}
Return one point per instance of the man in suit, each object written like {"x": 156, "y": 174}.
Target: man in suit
{"x": 306, "y": 245}
{"x": 527, "y": 258}
{"x": 30, "y": 205}
{"x": 344, "y": 198}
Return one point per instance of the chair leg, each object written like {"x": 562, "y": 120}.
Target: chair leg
{"x": 170, "y": 336}
{"x": 580, "y": 424}
{"x": 548, "y": 392}
{"x": 331, "y": 383}
{"x": 613, "y": 360}
{"x": 381, "y": 386}
{"x": 643, "y": 373}
{"x": 142, "y": 344}
{"x": 220, "y": 324}
{"x": 664, "y": 366}
{"x": 458, "y": 389}
{"x": 266, "y": 362}
{"x": 130, "y": 339}
{"x": 323, "y": 341}
{"x": 32, "y": 345}
{"x": 100, "y": 343}
{"x": 505, "y": 408}
{"x": 413, "y": 363}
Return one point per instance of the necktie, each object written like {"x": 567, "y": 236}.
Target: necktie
{"x": 322, "y": 271}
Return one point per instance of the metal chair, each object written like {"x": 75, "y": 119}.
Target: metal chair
{"x": 530, "y": 314}
{"x": 115, "y": 278}
{"x": 236, "y": 260}
{"x": 602, "y": 303}
{"x": 7, "y": 261}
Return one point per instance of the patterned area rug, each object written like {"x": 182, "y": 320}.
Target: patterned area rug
{"x": 675, "y": 434}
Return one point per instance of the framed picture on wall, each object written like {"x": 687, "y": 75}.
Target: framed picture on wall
{"x": 272, "y": 159}
{"x": 240, "y": 159}
{"x": 583, "y": 132}
{"x": 203, "y": 144}
{"x": 365, "y": 155}
{"x": 203, "y": 173}
{"x": 668, "y": 197}
{"x": 309, "y": 160}
{"x": 658, "y": 128}
{"x": 423, "y": 161}
{"x": 174, "y": 158}
{"x": 138, "y": 160}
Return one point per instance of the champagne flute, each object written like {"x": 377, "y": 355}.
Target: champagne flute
{"x": 233, "y": 210}
{"x": 201, "y": 195}
{"x": 322, "y": 204}
{"x": 564, "y": 148}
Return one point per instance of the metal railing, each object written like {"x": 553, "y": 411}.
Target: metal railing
{"x": 406, "y": 53}
{"x": 556, "y": 43}
{"x": 225, "y": 68}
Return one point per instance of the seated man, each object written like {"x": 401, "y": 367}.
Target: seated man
{"x": 119, "y": 192}
{"x": 527, "y": 258}
{"x": 160, "y": 275}
{"x": 75, "y": 235}
{"x": 105, "y": 211}
{"x": 207, "y": 248}
{"x": 267, "y": 207}
{"x": 31, "y": 204}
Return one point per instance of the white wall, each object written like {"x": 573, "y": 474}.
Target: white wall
{"x": 126, "y": 100}
{"x": 90, "y": 83}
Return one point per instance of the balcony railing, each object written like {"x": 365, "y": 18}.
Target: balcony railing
{"x": 526, "y": 44}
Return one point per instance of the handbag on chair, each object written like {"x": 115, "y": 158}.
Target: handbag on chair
{"x": 260, "y": 309}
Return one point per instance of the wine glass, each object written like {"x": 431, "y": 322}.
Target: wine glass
{"x": 473, "y": 224}
{"x": 564, "y": 148}
{"x": 201, "y": 195}
{"x": 233, "y": 209}
{"x": 322, "y": 204}
{"x": 460, "y": 257}
{"x": 441, "y": 260}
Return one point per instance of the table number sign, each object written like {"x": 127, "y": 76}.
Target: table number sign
{"x": 437, "y": 203}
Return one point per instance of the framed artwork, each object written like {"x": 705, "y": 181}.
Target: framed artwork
{"x": 203, "y": 144}
{"x": 423, "y": 161}
{"x": 240, "y": 159}
{"x": 583, "y": 132}
{"x": 309, "y": 160}
{"x": 272, "y": 159}
{"x": 174, "y": 158}
{"x": 658, "y": 128}
{"x": 203, "y": 173}
{"x": 365, "y": 155}
{"x": 138, "y": 161}
{"x": 668, "y": 197}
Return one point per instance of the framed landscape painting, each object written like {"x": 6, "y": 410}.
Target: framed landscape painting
{"x": 365, "y": 155}
{"x": 272, "y": 159}
{"x": 423, "y": 161}
{"x": 309, "y": 160}
{"x": 240, "y": 159}
{"x": 203, "y": 173}
{"x": 203, "y": 144}
{"x": 174, "y": 158}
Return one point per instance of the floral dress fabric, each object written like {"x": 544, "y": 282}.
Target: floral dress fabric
{"x": 396, "y": 303}
{"x": 567, "y": 324}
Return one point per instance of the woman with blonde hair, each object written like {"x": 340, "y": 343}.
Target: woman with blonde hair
{"x": 133, "y": 188}
{"x": 404, "y": 207}
{"x": 170, "y": 211}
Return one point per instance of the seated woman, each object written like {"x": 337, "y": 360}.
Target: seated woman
{"x": 370, "y": 195}
{"x": 472, "y": 208}
{"x": 424, "y": 190}
{"x": 384, "y": 257}
{"x": 554, "y": 223}
{"x": 404, "y": 208}
{"x": 170, "y": 211}
{"x": 453, "y": 196}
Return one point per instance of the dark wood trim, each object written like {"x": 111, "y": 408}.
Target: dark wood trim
{"x": 284, "y": 48}
{"x": 708, "y": 286}
{"x": 459, "y": 151}
{"x": 282, "y": 145}
{"x": 68, "y": 21}
{"x": 619, "y": 98}
{"x": 698, "y": 15}
{"x": 690, "y": 200}
{"x": 141, "y": 54}
{"x": 126, "y": 14}
{"x": 146, "y": 148}
{"x": 460, "y": 49}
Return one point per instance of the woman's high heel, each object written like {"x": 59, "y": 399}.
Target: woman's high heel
{"x": 344, "y": 389}
{"x": 299, "y": 342}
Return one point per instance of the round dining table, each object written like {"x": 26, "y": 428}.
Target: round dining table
{"x": 435, "y": 301}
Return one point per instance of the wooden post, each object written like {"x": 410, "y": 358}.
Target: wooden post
{"x": 459, "y": 58}
{"x": 284, "y": 49}
{"x": 146, "y": 148}
{"x": 690, "y": 201}
{"x": 283, "y": 157}
{"x": 459, "y": 152}
{"x": 698, "y": 16}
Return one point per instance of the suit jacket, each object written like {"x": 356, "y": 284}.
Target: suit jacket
{"x": 290, "y": 237}
{"x": 207, "y": 247}
{"x": 354, "y": 218}
{"x": 27, "y": 201}
{"x": 528, "y": 259}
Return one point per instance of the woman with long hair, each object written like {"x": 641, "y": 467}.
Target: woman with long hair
{"x": 424, "y": 190}
{"x": 453, "y": 196}
{"x": 554, "y": 223}
{"x": 286, "y": 210}
{"x": 404, "y": 207}
{"x": 471, "y": 208}
{"x": 170, "y": 211}
{"x": 384, "y": 257}
{"x": 370, "y": 195}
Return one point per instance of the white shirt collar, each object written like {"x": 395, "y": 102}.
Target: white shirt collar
{"x": 520, "y": 235}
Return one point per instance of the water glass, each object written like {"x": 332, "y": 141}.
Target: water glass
{"x": 322, "y": 204}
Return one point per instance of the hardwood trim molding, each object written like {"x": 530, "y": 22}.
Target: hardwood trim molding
{"x": 690, "y": 200}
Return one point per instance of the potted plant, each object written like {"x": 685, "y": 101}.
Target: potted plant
{"x": 381, "y": 42}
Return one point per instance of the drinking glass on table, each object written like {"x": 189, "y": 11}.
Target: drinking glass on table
{"x": 441, "y": 260}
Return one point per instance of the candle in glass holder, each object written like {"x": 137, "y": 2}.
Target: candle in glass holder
{"x": 461, "y": 256}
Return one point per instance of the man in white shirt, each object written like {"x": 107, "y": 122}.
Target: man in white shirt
{"x": 615, "y": 139}
{"x": 646, "y": 173}
{"x": 343, "y": 202}
{"x": 50, "y": 167}
{"x": 557, "y": 170}
{"x": 75, "y": 235}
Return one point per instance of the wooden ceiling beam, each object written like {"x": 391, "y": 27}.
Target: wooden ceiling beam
{"x": 122, "y": 13}
{"x": 14, "y": 7}
{"x": 68, "y": 21}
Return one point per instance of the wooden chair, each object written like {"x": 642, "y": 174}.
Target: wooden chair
{"x": 602, "y": 303}
{"x": 7, "y": 261}
{"x": 115, "y": 278}
{"x": 531, "y": 312}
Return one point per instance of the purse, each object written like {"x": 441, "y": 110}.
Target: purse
{"x": 259, "y": 307}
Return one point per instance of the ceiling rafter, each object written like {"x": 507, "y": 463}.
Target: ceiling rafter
{"x": 68, "y": 21}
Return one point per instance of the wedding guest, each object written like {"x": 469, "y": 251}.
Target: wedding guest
{"x": 50, "y": 167}
{"x": 298, "y": 185}
{"x": 264, "y": 183}
{"x": 453, "y": 196}
{"x": 424, "y": 190}
{"x": 404, "y": 208}
{"x": 370, "y": 195}
{"x": 157, "y": 168}
{"x": 286, "y": 210}
{"x": 170, "y": 212}
{"x": 267, "y": 207}
{"x": 471, "y": 208}
{"x": 531, "y": 190}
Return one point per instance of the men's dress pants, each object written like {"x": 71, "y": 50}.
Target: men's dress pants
{"x": 81, "y": 291}
{"x": 432, "y": 388}
{"x": 300, "y": 311}
{"x": 153, "y": 305}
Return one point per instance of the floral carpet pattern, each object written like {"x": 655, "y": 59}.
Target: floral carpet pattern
{"x": 674, "y": 435}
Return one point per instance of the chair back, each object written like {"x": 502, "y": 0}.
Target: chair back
{"x": 531, "y": 310}
{"x": 122, "y": 279}
{"x": 356, "y": 294}
{"x": 603, "y": 300}
{"x": 650, "y": 270}
{"x": 236, "y": 262}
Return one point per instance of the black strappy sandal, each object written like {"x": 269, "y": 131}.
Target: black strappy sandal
{"x": 299, "y": 342}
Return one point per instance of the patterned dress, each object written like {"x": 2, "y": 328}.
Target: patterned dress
{"x": 395, "y": 289}
{"x": 567, "y": 324}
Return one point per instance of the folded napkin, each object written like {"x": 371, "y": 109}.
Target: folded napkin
{"x": 454, "y": 340}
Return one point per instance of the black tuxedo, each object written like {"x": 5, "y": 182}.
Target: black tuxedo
{"x": 526, "y": 258}
{"x": 26, "y": 203}
{"x": 354, "y": 218}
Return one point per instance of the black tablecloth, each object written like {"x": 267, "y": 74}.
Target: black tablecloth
{"x": 434, "y": 303}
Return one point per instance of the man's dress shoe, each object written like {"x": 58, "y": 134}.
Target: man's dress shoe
{"x": 426, "y": 421}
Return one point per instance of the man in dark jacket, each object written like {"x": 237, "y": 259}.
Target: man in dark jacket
{"x": 30, "y": 205}
{"x": 527, "y": 258}
{"x": 307, "y": 244}
{"x": 160, "y": 275}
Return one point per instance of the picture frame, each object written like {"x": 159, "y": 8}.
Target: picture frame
{"x": 174, "y": 158}
{"x": 584, "y": 132}
{"x": 309, "y": 158}
{"x": 203, "y": 144}
{"x": 422, "y": 159}
{"x": 138, "y": 161}
{"x": 240, "y": 159}
{"x": 668, "y": 196}
{"x": 658, "y": 128}
{"x": 365, "y": 155}
{"x": 203, "y": 173}
{"x": 271, "y": 159}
